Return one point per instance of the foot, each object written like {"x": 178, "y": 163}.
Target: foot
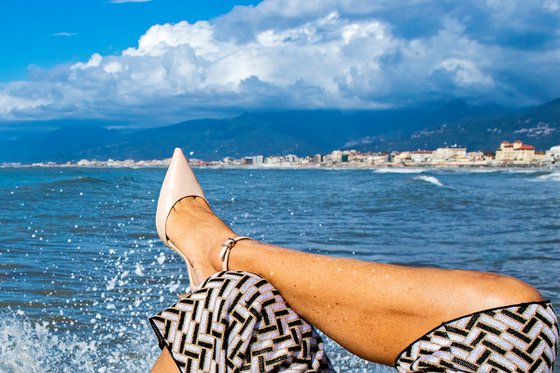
{"x": 198, "y": 233}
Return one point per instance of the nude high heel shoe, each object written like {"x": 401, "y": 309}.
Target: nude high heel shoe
{"x": 179, "y": 182}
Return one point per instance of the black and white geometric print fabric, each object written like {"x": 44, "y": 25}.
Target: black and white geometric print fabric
{"x": 237, "y": 321}
{"x": 520, "y": 338}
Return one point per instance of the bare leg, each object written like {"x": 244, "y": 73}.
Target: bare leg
{"x": 374, "y": 310}
{"x": 164, "y": 363}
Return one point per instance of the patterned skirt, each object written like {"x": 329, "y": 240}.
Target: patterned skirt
{"x": 518, "y": 338}
{"x": 237, "y": 321}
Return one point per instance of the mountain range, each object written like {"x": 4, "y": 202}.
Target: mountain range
{"x": 297, "y": 132}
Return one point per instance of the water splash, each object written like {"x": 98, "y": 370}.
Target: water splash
{"x": 27, "y": 346}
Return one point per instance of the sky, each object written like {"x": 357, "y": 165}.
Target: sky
{"x": 143, "y": 63}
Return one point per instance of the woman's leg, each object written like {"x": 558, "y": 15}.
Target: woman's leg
{"x": 164, "y": 363}
{"x": 374, "y": 310}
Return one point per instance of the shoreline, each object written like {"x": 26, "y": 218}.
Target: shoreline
{"x": 203, "y": 165}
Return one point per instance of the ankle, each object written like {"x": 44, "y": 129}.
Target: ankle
{"x": 216, "y": 248}
{"x": 237, "y": 257}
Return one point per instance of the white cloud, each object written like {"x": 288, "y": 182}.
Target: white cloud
{"x": 64, "y": 34}
{"x": 94, "y": 61}
{"x": 293, "y": 54}
{"x": 11, "y": 104}
{"x": 129, "y": 1}
{"x": 552, "y": 5}
{"x": 465, "y": 73}
{"x": 113, "y": 67}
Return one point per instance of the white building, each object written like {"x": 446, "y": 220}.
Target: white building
{"x": 377, "y": 159}
{"x": 290, "y": 158}
{"x": 421, "y": 156}
{"x": 333, "y": 157}
{"x": 477, "y": 157}
{"x": 553, "y": 154}
{"x": 258, "y": 160}
{"x": 401, "y": 157}
{"x": 274, "y": 160}
{"x": 450, "y": 154}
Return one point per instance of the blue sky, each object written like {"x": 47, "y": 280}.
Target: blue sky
{"x": 46, "y": 33}
{"x": 154, "y": 62}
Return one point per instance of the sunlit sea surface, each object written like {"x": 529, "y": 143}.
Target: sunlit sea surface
{"x": 81, "y": 267}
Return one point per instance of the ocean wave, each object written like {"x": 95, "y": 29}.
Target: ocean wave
{"x": 75, "y": 181}
{"x": 480, "y": 170}
{"x": 554, "y": 176}
{"x": 522, "y": 170}
{"x": 490, "y": 170}
{"x": 400, "y": 170}
{"x": 429, "y": 179}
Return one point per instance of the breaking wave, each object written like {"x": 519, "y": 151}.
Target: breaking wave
{"x": 555, "y": 176}
{"x": 429, "y": 179}
{"x": 400, "y": 170}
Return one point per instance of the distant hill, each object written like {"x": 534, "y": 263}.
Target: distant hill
{"x": 291, "y": 132}
{"x": 539, "y": 126}
{"x": 298, "y": 132}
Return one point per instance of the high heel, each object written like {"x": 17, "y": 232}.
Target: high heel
{"x": 179, "y": 182}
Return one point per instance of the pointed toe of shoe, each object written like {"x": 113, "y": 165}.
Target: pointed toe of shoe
{"x": 179, "y": 182}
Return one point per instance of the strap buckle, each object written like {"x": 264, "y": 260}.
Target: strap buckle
{"x": 226, "y": 248}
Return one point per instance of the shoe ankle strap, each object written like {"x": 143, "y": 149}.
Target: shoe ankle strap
{"x": 226, "y": 248}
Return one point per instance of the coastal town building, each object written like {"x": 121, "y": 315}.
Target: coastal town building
{"x": 516, "y": 151}
{"x": 450, "y": 154}
{"x": 553, "y": 154}
{"x": 441, "y": 156}
{"x": 333, "y": 157}
{"x": 401, "y": 157}
{"x": 509, "y": 154}
{"x": 479, "y": 157}
{"x": 378, "y": 158}
{"x": 421, "y": 156}
{"x": 258, "y": 160}
{"x": 540, "y": 157}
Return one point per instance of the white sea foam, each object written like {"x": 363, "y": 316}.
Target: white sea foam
{"x": 480, "y": 170}
{"x": 400, "y": 170}
{"x": 554, "y": 176}
{"x": 522, "y": 170}
{"x": 429, "y": 179}
{"x": 487, "y": 170}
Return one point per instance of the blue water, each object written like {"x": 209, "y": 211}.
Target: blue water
{"x": 81, "y": 267}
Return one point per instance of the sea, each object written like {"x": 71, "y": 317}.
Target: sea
{"x": 82, "y": 268}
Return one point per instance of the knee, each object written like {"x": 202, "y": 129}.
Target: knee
{"x": 495, "y": 290}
